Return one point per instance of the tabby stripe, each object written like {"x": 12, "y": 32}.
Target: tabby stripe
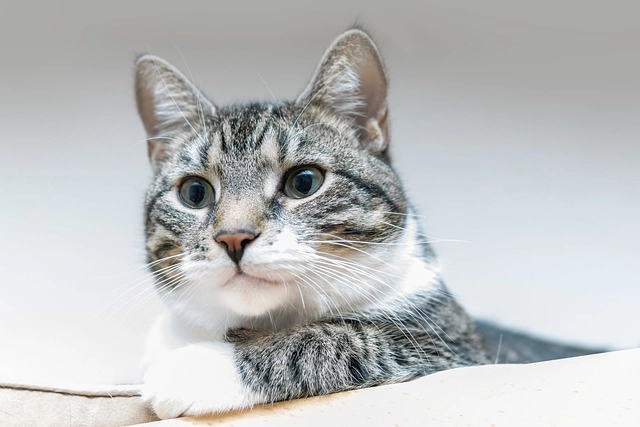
{"x": 373, "y": 189}
{"x": 259, "y": 140}
{"x": 223, "y": 140}
{"x": 152, "y": 204}
{"x": 175, "y": 229}
{"x": 169, "y": 227}
{"x": 286, "y": 143}
{"x": 203, "y": 151}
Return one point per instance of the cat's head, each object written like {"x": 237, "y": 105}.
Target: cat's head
{"x": 274, "y": 211}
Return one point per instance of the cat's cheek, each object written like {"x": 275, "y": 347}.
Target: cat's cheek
{"x": 196, "y": 379}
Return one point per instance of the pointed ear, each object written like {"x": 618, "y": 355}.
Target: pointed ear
{"x": 351, "y": 81}
{"x": 167, "y": 103}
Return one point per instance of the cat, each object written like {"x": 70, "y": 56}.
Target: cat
{"x": 284, "y": 246}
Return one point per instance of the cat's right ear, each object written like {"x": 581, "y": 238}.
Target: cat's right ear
{"x": 168, "y": 103}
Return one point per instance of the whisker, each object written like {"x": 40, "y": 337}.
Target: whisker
{"x": 425, "y": 318}
{"x": 143, "y": 267}
{"x": 372, "y": 298}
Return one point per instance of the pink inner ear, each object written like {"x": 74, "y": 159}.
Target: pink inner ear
{"x": 373, "y": 89}
{"x": 371, "y": 117}
{"x": 146, "y": 110}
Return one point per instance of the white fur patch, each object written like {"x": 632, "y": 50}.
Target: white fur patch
{"x": 196, "y": 379}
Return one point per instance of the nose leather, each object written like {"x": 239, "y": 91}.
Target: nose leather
{"x": 235, "y": 242}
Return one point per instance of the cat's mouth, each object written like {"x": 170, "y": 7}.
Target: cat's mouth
{"x": 244, "y": 279}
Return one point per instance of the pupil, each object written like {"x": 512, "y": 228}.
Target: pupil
{"x": 303, "y": 181}
{"x": 196, "y": 192}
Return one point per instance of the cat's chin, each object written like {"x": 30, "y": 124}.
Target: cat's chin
{"x": 249, "y": 295}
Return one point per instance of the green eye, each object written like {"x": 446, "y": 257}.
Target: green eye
{"x": 195, "y": 193}
{"x": 303, "y": 182}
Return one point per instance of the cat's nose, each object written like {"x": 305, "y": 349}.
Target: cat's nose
{"x": 235, "y": 242}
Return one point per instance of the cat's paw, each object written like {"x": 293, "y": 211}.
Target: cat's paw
{"x": 196, "y": 379}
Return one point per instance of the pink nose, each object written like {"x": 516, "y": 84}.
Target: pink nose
{"x": 235, "y": 242}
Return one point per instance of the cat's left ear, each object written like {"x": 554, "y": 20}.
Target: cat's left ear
{"x": 168, "y": 103}
{"x": 351, "y": 81}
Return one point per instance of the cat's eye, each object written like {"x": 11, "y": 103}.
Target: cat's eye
{"x": 195, "y": 192}
{"x": 303, "y": 182}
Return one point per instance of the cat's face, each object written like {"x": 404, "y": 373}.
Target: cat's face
{"x": 274, "y": 212}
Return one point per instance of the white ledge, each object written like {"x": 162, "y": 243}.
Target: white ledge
{"x": 602, "y": 389}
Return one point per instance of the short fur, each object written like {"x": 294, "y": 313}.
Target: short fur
{"x": 338, "y": 290}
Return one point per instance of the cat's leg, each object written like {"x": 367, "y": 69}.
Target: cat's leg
{"x": 329, "y": 356}
{"x": 309, "y": 360}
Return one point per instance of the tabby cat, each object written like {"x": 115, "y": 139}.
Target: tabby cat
{"x": 282, "y": 242}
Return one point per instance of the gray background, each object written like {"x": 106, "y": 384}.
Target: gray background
{"x": 515, "y": 126}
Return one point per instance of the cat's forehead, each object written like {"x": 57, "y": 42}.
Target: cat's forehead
{"x": 242, "y": 129}
{"x": 239, "y": 143}
{"x": 275, "y": 134}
